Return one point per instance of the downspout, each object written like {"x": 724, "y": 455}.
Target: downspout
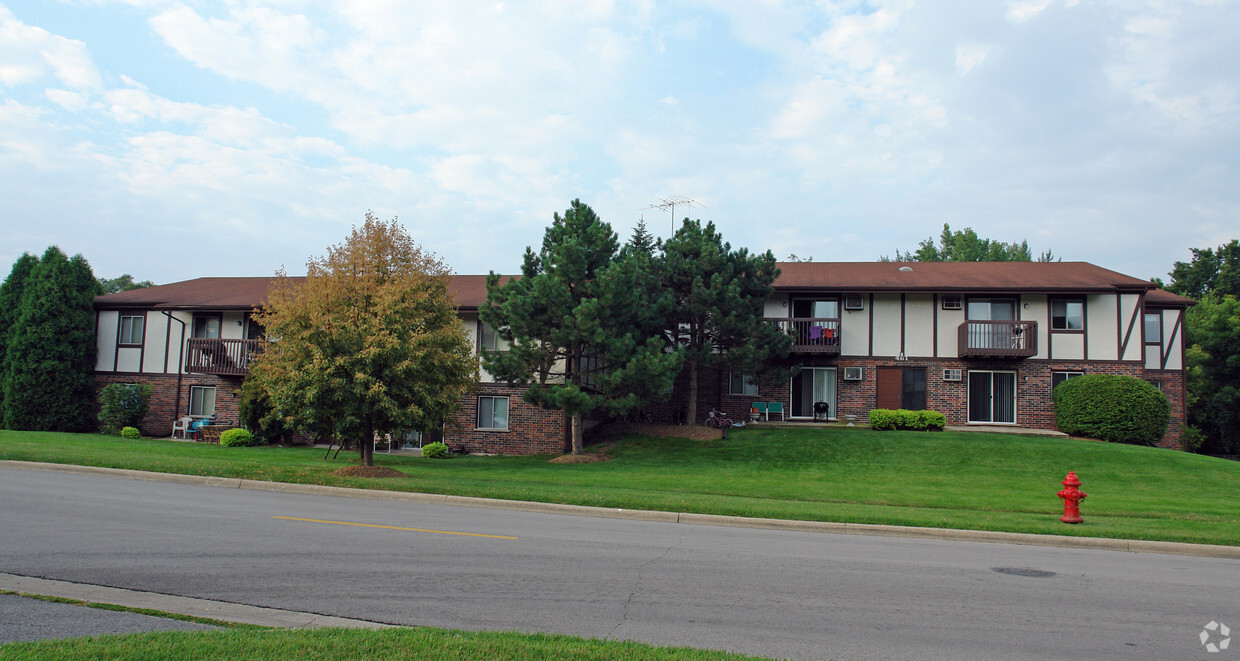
{"x": 180, "y": 358}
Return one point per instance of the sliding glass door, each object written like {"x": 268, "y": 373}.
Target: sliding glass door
{"x": 992, "y": 397}
{"x": 811, "y": 385}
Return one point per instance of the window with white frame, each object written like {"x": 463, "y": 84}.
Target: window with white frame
{"x": 131, "y": 330}
{"x": 492, "y": 412}
{"x": 740, "y": 383}
{"x": 1059, "y": 377}
{"x": 201, "y": 401}
{"x": 489, "y": 340}
{"x": 1067, "y": 314}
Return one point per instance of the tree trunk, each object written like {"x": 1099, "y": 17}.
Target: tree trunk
{"x": 578, "y": 435}
{"x": 691, "y": 409}
{"x": 367, "y": 444}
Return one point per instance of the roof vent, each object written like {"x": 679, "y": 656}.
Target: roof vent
{"x": 907, "y": 269}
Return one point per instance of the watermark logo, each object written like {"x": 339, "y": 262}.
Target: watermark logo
{"x": 1215, "y": 631}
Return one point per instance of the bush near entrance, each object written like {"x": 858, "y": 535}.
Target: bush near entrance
{"x": 1113, "y": 408}
{"x": 887, "y": 419}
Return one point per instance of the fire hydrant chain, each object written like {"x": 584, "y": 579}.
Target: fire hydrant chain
{"x": 1072, "y": 497}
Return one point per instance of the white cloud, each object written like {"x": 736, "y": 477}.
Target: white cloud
{"x": 1023, "y": 10}
{"x": 28, "y": 54}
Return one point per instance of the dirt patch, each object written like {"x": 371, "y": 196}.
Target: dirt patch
{"x": 588, "y": 458}
{"x": 368, "y": 471}
{"x": 693, "y": 433}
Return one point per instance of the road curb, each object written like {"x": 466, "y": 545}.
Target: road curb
{"x": 167, "y": 603}
{"x": 992, "y": 537}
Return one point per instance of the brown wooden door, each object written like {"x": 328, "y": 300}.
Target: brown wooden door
{"x": 889, "y": 387}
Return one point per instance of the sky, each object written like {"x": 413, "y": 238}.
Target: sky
{"x": 176, "y": 139}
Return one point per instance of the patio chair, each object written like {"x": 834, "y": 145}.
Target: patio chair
{"x": 760, "y": 407}
{"x": 181, "y": 425}
{"x": 775, "y": 407}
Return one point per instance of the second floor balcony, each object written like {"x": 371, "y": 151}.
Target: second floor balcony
{"x": 998, "y": 339}
{"x": 812, "y": 335}
{"x": 223, "y": 357}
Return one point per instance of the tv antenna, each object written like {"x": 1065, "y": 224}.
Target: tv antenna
{"x": 670, "y": 203}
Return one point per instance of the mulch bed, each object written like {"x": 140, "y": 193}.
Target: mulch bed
{"x": 368, "y": 471}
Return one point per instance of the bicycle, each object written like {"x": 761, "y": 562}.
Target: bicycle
{"x": 717, "y": 420}
{"x": 636, "y": 415}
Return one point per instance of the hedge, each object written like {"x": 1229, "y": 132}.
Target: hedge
{"x": 887, "y": 419}
{"x": 238, "y": 437}
{"x": 1113, "y": 408}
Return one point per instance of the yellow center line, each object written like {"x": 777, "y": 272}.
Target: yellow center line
{"x": 372, "y": 525}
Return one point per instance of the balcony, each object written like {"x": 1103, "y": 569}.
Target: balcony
{"x": 998, "y": 339}
{"x": 222, "y": 357}
{"x": 812, "y": 335}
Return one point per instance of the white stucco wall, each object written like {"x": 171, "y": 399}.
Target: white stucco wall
{"x": 919, "y": 325}
{"x": 886, "y": 324}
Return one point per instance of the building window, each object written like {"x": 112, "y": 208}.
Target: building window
{"x": 131, "y": 330}
{"x": 1068, "y": 315}
{"x": 492, "y": 413}
{"x": 207, "y": 326}
{"x": 201, "y": 401}
{"x": 489, "y": 340}
{"x": 740, "y": 383}
{"x": 1153, "y": 328}
{"x": 1059, "y": 377}
{"x": 1156, "y": 383}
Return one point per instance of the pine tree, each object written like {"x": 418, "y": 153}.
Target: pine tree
{"x": 573, "y": 324}
{"x": 51, "y": 349}
{"x": 10, "y": 305}
{"x": 717, "y": 315}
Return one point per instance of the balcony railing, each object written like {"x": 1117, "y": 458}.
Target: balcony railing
{"x": 224, "y": 357}
{"x": 812, "y": 335}
{"x": 998, "y": 339}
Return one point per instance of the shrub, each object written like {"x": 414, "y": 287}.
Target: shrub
{"x": 123, "y": 405}
{"x": 1113, "y": 408}
{"x": 886, "y": 419}
{"x": 435, "y": 450}
{"x": 130, "y": 432}
{"x": 235, "y": 437}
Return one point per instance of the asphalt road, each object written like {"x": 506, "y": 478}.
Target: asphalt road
{"x": 775, "y": 593}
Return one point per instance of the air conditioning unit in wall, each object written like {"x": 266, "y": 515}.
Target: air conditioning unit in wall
{"x": 953, "y": 375}
{"x": 852, "y": 373}
{"x": 952, "y": 301}
{"x": 854, "y": 302}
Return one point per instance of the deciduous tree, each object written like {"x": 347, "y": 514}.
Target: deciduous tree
{"x": 368, "y": 343}
{"x": 966, "y": 246}
{"x": 574, "y": 323}
{"x": 124, "y": 282}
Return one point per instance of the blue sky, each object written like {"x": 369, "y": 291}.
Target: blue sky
{"x": 172, "y": 139}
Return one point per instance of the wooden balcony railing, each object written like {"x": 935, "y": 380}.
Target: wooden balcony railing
{"x": 998, "y": 339}
{"x": 812, "y": 335}
{"x": 224, "y": 357}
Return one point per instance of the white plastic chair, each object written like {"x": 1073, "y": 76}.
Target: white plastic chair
{"x": 181, "y": 425}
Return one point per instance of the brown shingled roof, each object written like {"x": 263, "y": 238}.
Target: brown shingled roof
{"x": 1164, "y": 298}
{"x": 470, "y": 292}
{"x": 954, "y": 276}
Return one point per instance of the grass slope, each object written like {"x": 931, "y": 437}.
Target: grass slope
{"x": 966, "y": 480}
{"x": 339, "y": 644}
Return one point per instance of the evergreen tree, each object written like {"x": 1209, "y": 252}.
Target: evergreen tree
{"x": 51, "y": 349}
{"x": 718, "y": 298}
{"x": 573, "y": 323}
{"x": 10, "y": 305}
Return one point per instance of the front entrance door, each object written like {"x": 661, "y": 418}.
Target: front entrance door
{"x": 810, "y": 385}
{"x": 992, "y": 397}
{"x": 901, "y": 388}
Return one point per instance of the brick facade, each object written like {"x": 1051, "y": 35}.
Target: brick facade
{"x": 168, "y": 403}
{"x": 531, "y": 429}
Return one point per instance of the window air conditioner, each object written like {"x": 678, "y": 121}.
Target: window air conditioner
{"x": 953, "y": 375}
{"x": 852, "y": 373}
{"x": 854, "y": 302}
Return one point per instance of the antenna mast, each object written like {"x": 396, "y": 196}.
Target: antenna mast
{"x": 669, "y": 204}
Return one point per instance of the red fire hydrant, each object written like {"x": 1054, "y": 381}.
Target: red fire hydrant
{"x": 1072, "y": 497}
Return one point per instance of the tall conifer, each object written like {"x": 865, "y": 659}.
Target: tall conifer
{"x": 10, "y": 305}
{"x": 51, "y": 350}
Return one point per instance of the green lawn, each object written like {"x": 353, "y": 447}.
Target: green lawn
{"x": 980, "y": 481}
{"x": 339, "y": 644}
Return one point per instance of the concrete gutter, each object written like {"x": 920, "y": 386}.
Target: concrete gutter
{"x": 1062, "y": 541}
